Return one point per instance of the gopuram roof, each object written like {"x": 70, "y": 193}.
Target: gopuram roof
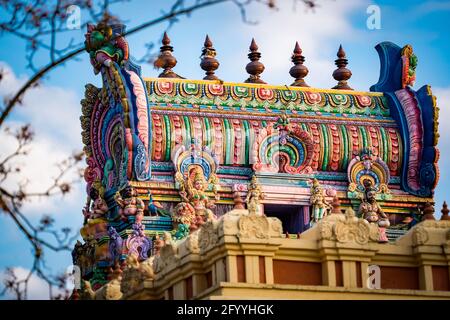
{"x": 170, "y": 158}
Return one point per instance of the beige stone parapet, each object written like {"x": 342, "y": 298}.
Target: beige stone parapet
{"x": 246, "y": 256}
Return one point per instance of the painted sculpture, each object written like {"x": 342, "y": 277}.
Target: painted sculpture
{"x": 410, "y": 61}
{"x": 96, "y": 207}
{"x": 115, "y": 245}
{"x": 129, "y": 204}
{"x": 196, "y": 207}
{"x": 138, "y": 243}
{"x": 254, "y": 197}
{"x": 370, "y": 210}
{"x": 105, "y": 46}
{"x": 319, "y": 205}
{"x": 368, "y": 166}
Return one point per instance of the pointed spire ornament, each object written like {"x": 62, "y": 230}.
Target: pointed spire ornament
{"x": 342, "y": 74}
{"x": 209, "y": 62}
{"x": 298, "y": 71}
{"x": 336, "y": 206}
{"x": 445, "y": 212}
{"x": 239, "y": 203}
{"x": 254, "y": 68}
{"x": 428, "y": 211}
{"x": 166, "y": 60}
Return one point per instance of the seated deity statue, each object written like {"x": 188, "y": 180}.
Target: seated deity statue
{"x": 129, "y": 204}
{"x": 370, "y": 210}
{"x": 96, "y": 207}
{"x": 196, "y": 207}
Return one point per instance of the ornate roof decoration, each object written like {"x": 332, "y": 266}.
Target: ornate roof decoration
{"x": 342, "y": 74}
{"x": 254, "y": 67}
{"x": 209, "y": 62}
{"x": 368, "y": 167}
{"x": 170, "y": 160}
{"x": 298, "y": 71}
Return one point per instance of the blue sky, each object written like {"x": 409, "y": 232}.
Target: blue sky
{"x": 55, "y": 109}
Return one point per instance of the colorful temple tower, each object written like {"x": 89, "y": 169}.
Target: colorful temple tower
{"x": 222, "y": 178}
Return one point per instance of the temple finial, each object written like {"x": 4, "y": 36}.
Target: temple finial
{"x": 239, "y": 203}
{"x": 166, "y": 60}
{"x": 336, "y": 206}
{"x": 209, "y": 62}
{"x": 165, "y": 40}
{"x": 208, "y": 42}
{"x": 254, "y": 67}
{"x": 298, "y": 71}
{"x": 445, "y": 212}
{"x": 428, "y": 211}
{"x": 342, "y": 74}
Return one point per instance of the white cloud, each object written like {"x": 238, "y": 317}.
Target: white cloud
{"x": 318, "y": 32}
{"x": 54, "y": 115}
{"x": 54, "y": 111}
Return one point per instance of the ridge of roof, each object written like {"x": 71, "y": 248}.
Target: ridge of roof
{"x": 268, "y": 86}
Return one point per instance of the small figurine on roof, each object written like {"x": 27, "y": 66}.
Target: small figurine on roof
{"x": 283, "y": 126}
{"x": 105, "y": 45}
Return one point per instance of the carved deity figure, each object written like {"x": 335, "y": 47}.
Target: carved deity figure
{"x": 370, "y": 210}
{"x": 410, "y": 62}
{"x": 105, "y": 45}
{"x": 129, "y": 204}
{"x": 196, "y": 207}
{"x": 320, "y": 205}
{"x": 96, "y": 207}
{"x": 254, "y": 197}
{"x": 284, "y": 127}
{"x": 78, "y": 257}
{"x": 158, "y": 243}
{"x": 89, "y": 250}
{"x": 115, "y": 244}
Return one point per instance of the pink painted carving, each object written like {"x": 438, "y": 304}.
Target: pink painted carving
{"x": 415, "y": 129}
{"x": 129, "y": 141}
{"x": 265, "y": 94}
{"x": 215, "y": 89}
{"x": 165, "y": 87}
{"x": 142, "y": 111}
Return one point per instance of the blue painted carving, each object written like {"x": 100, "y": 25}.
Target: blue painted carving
{"x": 390, "y": 68}
{"x": 389, "y": 82}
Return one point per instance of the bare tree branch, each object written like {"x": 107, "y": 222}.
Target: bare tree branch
{"x": 38, "y": 24}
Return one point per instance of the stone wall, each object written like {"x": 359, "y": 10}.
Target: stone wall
{"x": 244, "y": 256}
